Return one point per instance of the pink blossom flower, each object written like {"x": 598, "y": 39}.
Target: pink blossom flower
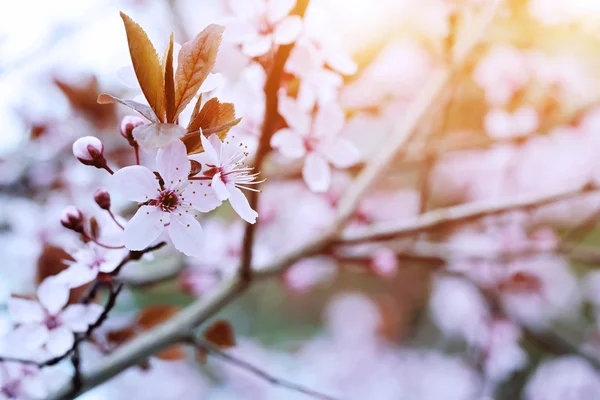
{"x": 503, "y": 355}
{"x": 167, "y": 203}
{"x": 89, "y": 262}
{"x": 567, "y": 377}
{"x": 23, "y": 381}
{"x": 318, "y": 138}
{"x": 223, "y": 165}
{"x": 46, "y": 322}
{"x": 501, "y": 124}
{"x": 310, "y": 272}
{"x": 258, "y": 25}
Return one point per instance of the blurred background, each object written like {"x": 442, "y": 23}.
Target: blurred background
{"x": 489, "y": 309}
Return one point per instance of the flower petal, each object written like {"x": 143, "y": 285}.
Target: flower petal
{"x": 240, "y": 204}
{"x": 279, "y": 9}
{"x": 60, "y": 340}
{"x": 154, "y": 136}
{"x": 212, "y": 81}
{"x": 289, "y": 143}
{"x": 258, "y": 46}
{"x": 74, "y": 316}
{"x": 341, "y": 62}
{"x": 53, "y": 294}
{"x": 31, "y": 336}
{"x": 201, "y": 197}
{"x": 210, "y": 153}
{"x": 297, "y": 118}
{"x": 287, "y": 30}
{"x": 329, "y": 120}
{"x": 342, "y": 153}
{"x": 219, "y": 187}
{"x": 172, "y": 163}
{"x": 136, "y": 183}
{"x": 316, "y": 173}
{"x": 186, "y": 234}
{"x": 24, "y": 311}
{"x": 143, "y": 228}
{"x": 246, "y": 8}
{"x": 78, "y": 274}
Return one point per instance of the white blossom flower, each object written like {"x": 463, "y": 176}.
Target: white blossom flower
{"x": 317, "y": 138}
{"x": 167, "y": 204}
{"x": 89, "y": 262}
{"x": 223, "y": 165}
{"x": 258, "y": 25}
{"x": 46, "y": 322}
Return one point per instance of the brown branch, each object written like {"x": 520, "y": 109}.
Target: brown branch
{"x": 258, "y": 372}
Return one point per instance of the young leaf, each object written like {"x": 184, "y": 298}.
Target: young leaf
{"x": 146, "y": 65}
{"x": 214, "y": 117}
{"x": 152, "y": 316}
{"x": 143, "y": 109}
{"x": 220, "y": 334}
{"x": 196, "y": 59}
{"x": 169, "y": 83}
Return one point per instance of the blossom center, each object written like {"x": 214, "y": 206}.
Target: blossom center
{"x": 52, "y": 322}
{"x": 167, "y": 201}
{"x": 11, "y": 389}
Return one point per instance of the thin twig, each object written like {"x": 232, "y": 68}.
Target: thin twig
{"x": 209, "y": 349}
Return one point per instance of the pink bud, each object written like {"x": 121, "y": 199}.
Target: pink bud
{"x": 72, "y": 218}
{"x": 128, "y": 124}
{"x": 90, "y": 151}
{"x": 102, "y": 198}
{"x": 384, "y": 262}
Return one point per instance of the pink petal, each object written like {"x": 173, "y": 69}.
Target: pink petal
{"x": 24, "y": 311}
{"x": 297, "y": 118}
{"x": 202, "y": 198}
{"x": 316, "y": 173}
{"x": 136, "y": 183}
{"x": 341, "y": 62}
{"x": 287, "y": 30}
{"x": 240, "y": 204}
{"x": 60, "y": 341}
{"x": 210, "y": 153}
{"x": 279, "y": 9}
{"x": 289, "y": 143}
{"x": 75, "y": 317}
{"x": 304, "y": 58}
{"x": 172, "y": 163}
{"x": 78, "y": 274}
{"x": 143, "y": 228}
{"x": 239, "y": 30}
{"x": 342, "y": 153}
{"x": 258, "y": 46}
{"x": 154, "y": 136}
{"x": 211, "y": 82}
{"x": 329, "y": 120}
{"x": 53, "y": 294}
{"x": 247, "y": 8}
{"x": 32, "y": 336}
{"x": 219, "y": 187}
{"x": 186, "y": 234}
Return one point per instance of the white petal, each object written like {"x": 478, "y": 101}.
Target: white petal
{"x": 289, "y": 143}
{"x": 75, "y": 317}
{"x": 202, "y": 198}
{"x": 172, "y": 163}
{"x": 258, "y": 46}
{"x": 24, "y": 311}
{"x": 211, "y": 82}
{"x": 93, "y": 312}
{"x": 78, "y": 274}
{"x": 240, "y": 204}
{"x": 154, "y": 136}
{"x": 53, "y": 294}
{"x": 279, "y": 9}
{"x": 238, "y": 30}
{"x": 316, "y": 173}
{"x": 342, "y": 153}
{"x": 143, "y": 228}
{"x": 32, "y": 336}
{"x": 288, "y": 30}
{"x": 341, "y": 62}
{"x": 297, "y": 118}
{"x": 304, "y": 58}
{"x": 210, "y": 153}
{"x": 219, "y": 187}
{"x": 329, "y": 120}
{"x": 60, "y": 341}
{"x": 186, "y": 234}
{"x": 136, "y": 183}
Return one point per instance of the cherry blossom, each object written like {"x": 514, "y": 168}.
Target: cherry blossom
{"x": 223, "y": 165}
{"x": 167, "y": 204}
{"x": 21, "y": 381}
{"x": 317, "y": 138}
{"x": 500, "y": 124}
{"x": 566, "y": 377}
{"x": 90, "y": 261}
{"x": 47, "y": 322}
{"x": 258, "y": 25}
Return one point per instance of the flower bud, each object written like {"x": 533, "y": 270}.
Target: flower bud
{"x": 384, "y": 262}
{"x": 128, "y": 124}
{"x": 72, "y": 218}
{"x": 89, "y": 150}
{"x": 102, "y": 198}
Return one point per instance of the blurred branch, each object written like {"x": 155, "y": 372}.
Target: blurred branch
{"x": 180, "y": 326}
{"x": 254, "y": 370}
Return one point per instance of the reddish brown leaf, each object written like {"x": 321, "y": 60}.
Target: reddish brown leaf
{"x": 169, "y": 83}
{"x": 220, "y": 334}
{"x": 120, "y": 336}
{"x": 196, "y": 109}
{"x": 146, "y": 65}
{"x": 221, "y": 130}
{"x": 196, "y": 59}
{"x": 201, "y": 355}
{"x": 82, "y": 97}
{"x": 171, "y": 353}
{"x": 214, "y": 117}
{"x": 143, "y": 109}
{"x": 152, "y": 316}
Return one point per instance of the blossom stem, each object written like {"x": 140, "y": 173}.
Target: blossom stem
{"x": 112, "y": 216}
{"x": 106, "y": 246}
{"x": 110, "y": 171}
{"x": 137, "y": 154}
